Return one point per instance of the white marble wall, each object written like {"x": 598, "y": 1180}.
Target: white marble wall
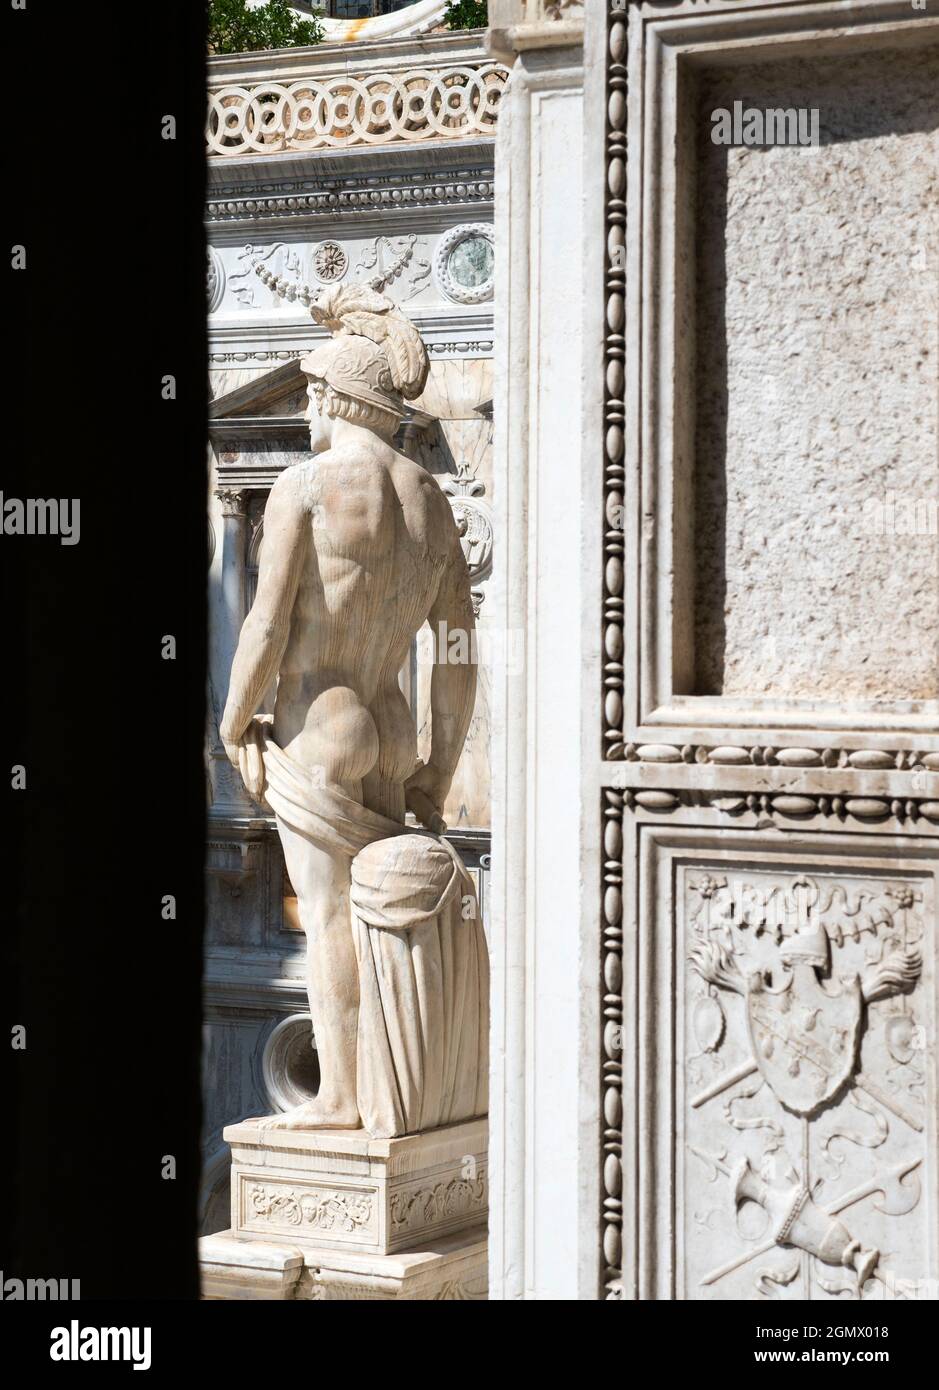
{"x": 542, "y": 1177}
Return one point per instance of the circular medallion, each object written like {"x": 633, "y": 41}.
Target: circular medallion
{"x": 330, "y": 262}
{"x": 214, "y": 279}
{"x": 464, "y": 263}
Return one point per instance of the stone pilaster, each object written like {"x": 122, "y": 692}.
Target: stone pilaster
{"x": 230, "y": 799}
{"x": 542, "y": 1207}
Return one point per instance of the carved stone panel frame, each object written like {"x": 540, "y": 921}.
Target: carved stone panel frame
{"x": 652, "y": 52}
{"x": 597, "y": 732}
{"x": 799, "y": 786}
{"x": 864, "y": 1152}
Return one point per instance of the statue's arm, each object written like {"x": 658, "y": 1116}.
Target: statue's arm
{"x": 265, "y": 631}
{"x": 453, "y": 682}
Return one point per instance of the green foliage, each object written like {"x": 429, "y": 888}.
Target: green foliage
{"x": 233, "y": 28}
{"x": 466, "y": 14}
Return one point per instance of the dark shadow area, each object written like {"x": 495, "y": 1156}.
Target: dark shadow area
{"x": 103, "y": 887}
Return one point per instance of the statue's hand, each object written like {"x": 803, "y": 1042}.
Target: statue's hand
{"x": 244, "y": 752}
{"x": 425, "y": 792}
{"x": 231, "y": 737}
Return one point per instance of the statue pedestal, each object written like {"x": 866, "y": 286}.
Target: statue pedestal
{"x": 234, "y": 1267}
{"x": 336, "y": 1214}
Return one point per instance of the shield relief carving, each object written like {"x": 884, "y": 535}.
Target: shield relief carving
{"x": 804, "y": 1036}
{"x": 804, "y": 1121}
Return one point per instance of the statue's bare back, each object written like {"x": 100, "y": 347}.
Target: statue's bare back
{"x": 380, "y": 539}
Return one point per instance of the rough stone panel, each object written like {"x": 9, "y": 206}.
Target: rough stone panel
{"x": 816, "y": 386}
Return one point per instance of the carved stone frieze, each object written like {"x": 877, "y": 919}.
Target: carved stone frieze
{"x": 261, "y": 355}
{"x": 722, "y": 755}
{"x": 461, "y": 348}
{"x": 450, "y": 347}
{"x": 413, "y": 1207}
{"x": 384, "y": 193}
{"x": 391, "y": 260}
{"x": 313, "y": 1287}
{"x": 788, "y": 807}
{"x": 319, "y": 1209}
{"x": 442, "y": 102}
{"x": 257, "y": 263}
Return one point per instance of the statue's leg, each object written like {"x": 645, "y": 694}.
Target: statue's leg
{"x": 321, "y": 883}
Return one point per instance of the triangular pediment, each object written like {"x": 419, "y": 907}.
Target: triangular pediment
{"x": 277, "y": 397}
{"x": 271, "y": 402}
{"x": 261, "y": 427}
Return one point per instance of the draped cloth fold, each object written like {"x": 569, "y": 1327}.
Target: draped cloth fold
{"x": 423, "y": 1027}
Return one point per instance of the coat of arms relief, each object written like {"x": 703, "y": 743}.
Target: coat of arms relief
{"x": 807, "y": 1165}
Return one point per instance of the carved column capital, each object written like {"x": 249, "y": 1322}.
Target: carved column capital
{"x": 233, "y": 500}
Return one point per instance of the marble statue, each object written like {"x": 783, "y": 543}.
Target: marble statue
{"x": 360, "y": 549}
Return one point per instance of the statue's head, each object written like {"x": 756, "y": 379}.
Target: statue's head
{"x": 373, "y": 364}
{"x": 348, "y": 379}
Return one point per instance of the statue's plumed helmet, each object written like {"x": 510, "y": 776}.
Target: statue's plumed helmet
{"x": 376, "y": 355}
